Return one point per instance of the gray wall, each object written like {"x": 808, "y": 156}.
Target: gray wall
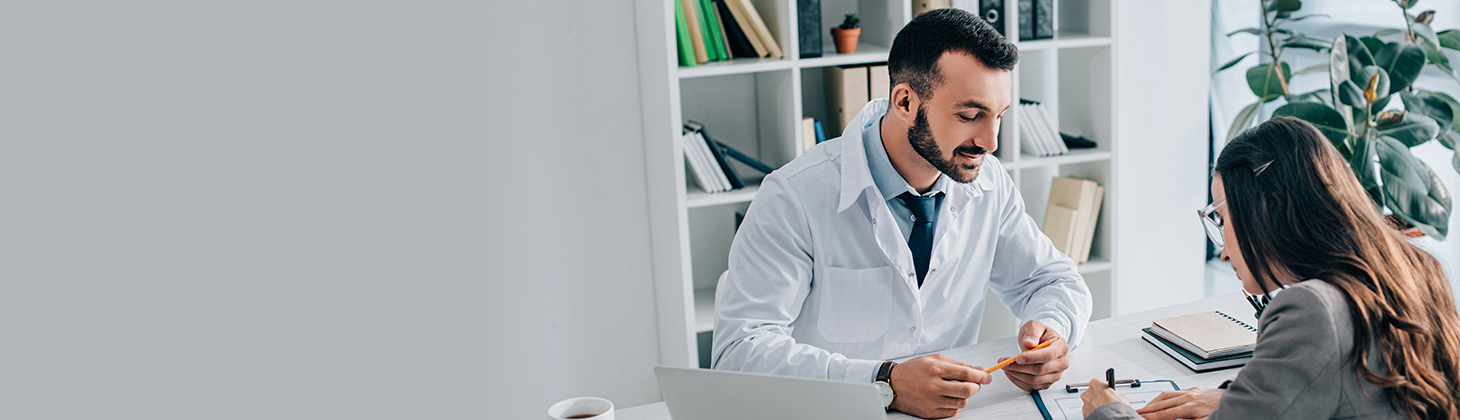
{"x": 321, "y": 209}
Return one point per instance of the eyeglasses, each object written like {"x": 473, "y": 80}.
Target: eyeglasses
{"x": 1212, "y": 221}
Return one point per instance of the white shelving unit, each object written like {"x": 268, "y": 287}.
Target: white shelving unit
{"x": 756, "y": 106}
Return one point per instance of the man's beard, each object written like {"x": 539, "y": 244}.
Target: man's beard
{"x": 921, "y": 139}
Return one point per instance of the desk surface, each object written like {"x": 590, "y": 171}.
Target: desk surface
{"x": 1111, "y": 343}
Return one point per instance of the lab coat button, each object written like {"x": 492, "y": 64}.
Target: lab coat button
{"x": 913, "y": 329}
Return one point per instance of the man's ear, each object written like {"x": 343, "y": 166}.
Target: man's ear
{"x": 904, "y": 103}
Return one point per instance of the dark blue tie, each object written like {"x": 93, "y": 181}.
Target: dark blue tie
{"x": 925, "y": 218}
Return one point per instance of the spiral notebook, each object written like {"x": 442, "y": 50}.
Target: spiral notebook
{"x": 1208, "y": 334}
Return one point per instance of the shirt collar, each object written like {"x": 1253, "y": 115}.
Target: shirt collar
{"x": 889, "y": 182}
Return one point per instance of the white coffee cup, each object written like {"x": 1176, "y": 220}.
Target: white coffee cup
{"x": 588, "y": 408}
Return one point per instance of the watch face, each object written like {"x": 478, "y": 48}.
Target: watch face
{"x": 886, "y": 391}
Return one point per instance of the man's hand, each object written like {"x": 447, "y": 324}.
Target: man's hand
{"x": 1038, "y": 369}
{"x": 935, "y": 386}
{"x": 1190, "y": 403}
{"x": 1100, "y": 394}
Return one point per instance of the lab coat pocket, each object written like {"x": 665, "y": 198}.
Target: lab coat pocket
{"x": 856, "y": 305}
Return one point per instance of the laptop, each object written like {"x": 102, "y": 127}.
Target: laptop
{"x": 702, "y": 394}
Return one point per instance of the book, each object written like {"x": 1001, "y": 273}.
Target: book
{"x": 1026, "y": 19}
{"x": 686, "y": 51}
{"x": 1029, "y": 137}
{"x": 879, "y": 83}
{"x": 760, "y": 29}
{"x": 920, "y": 6}
{"x": 696, "y": 36}
{"x": 746, "y": 27}
{"x": 730, "y": 174}
{"x": 808, "y": 27}
{"x": 1078, "y": 195}
{"x": 739, "y": 44}
{"x": 746, "y": 159}
{"x": 808, "y": 133}
{"x": 1043, "y": 19}
{"x": 720, "y": 25}
{"x": 846, "y": 93}
{"x": 708, "y": 24}
{"x": 1191, "y": 360}
{"x": 696, "y": 168}
{"x": 1050, "y": 130}
{"x": 1208, "y": 334}
{"x": 820, "y": 133}
{"x": 1059, "y": 226}
{"x": 1094, "y": 217}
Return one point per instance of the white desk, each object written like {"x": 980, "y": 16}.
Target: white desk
{"x": 1110, "y": 343}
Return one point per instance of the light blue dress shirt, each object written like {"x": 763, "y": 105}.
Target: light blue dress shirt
{"x": 891, "y": 183}
{"x": 822, "y": 285}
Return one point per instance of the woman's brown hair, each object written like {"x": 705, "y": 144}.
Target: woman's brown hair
{"x": 1306, "y": 215}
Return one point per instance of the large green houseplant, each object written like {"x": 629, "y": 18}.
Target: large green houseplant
{"x": 1365, "y": 74}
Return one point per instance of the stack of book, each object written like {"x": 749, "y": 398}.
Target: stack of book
{"x": 709, "y": 160}
{"x": 1204, "y": 341}
{"x": 718, "y": 30}
{"x": 849, "y": 88}
{"x": 1069, "y": 221}
{"x": 1040, "y": 134}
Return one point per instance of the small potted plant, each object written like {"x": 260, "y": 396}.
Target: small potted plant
{"x": 846, "y": 35}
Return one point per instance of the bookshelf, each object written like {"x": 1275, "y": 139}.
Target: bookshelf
{"x": 756, "y": 106}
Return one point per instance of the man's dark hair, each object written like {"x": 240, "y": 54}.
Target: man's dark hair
{"x": 915, "y": 51}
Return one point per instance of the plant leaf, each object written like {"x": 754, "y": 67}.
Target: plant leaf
{"x": 1387, "y": 32}
{"x": 1263, "y": 80}
{"x": 1308, "y": 16}
{"x": 1358, "y": 54}
{"x": 1351, "y": 94}
{"x": 1338, "y": 72}
{"x": 1423, "y": 103}
{"x": 1326, "y": 119}
{"x": 1372, "y": 43}
{"x": 1321, "y": 96}
{"x": 1306, "y": 42}
{"x": 1380, "y": 87}
{"x": 1311, "y": 69}
{"x": 1244, "y": 120}
{"x": 1235, "y": 61}
{"x": 1285, "y": 6}
{"x": 1434, "y": 55}
{"x": 1362, "y": 162}
{"x": 1425, "y": 32}
{"x": 1406, "y": 4}
{"x": 1412, "y": 130}
{"x": 1253, "y": 31}
{"x": 1403, "y": 62}
{"x": 1449, "y": 39}
{"x": 1411, "y": 189}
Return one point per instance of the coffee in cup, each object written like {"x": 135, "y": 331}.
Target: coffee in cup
{"x": 581, "y": 408}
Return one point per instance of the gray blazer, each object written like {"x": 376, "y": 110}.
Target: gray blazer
{"x": 1300, "y": 368}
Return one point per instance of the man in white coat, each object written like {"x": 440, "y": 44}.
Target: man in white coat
{"x": 880, "y": 244}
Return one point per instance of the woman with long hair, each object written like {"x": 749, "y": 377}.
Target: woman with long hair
{"x": 1365, "y": 325}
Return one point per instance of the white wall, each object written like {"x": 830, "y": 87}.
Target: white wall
{"x": 1162, "y": 52}
{"x": 321, "y": 209}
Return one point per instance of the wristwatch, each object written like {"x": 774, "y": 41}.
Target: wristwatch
{"x": 884, "y": 383}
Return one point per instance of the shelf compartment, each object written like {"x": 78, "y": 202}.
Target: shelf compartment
{"x": 705, "y": 310}
{"x": 1064, "y": 39}
{"x": 697, "y": 198}
{"x": 1074, "y": 156}
{"x": 736, "y": 66}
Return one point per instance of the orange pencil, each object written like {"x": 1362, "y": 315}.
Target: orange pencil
{"x": 1012, "y": 359}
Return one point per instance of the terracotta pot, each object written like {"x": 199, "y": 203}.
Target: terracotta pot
{"x": 846, "y": 39}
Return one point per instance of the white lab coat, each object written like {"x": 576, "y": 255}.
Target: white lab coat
{"x": 821, "y": 281}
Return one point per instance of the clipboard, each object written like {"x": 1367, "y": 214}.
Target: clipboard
{"x": 1059, "y": 404}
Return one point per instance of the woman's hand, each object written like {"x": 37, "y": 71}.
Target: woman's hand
{"x": 1100, "y": 394}
{"x": 1190, "y": 403}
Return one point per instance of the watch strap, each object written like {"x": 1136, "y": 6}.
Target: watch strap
{"x": 884, "y": 373}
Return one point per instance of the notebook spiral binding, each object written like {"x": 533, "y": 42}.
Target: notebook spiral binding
{"x": 1239, "y": 322}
